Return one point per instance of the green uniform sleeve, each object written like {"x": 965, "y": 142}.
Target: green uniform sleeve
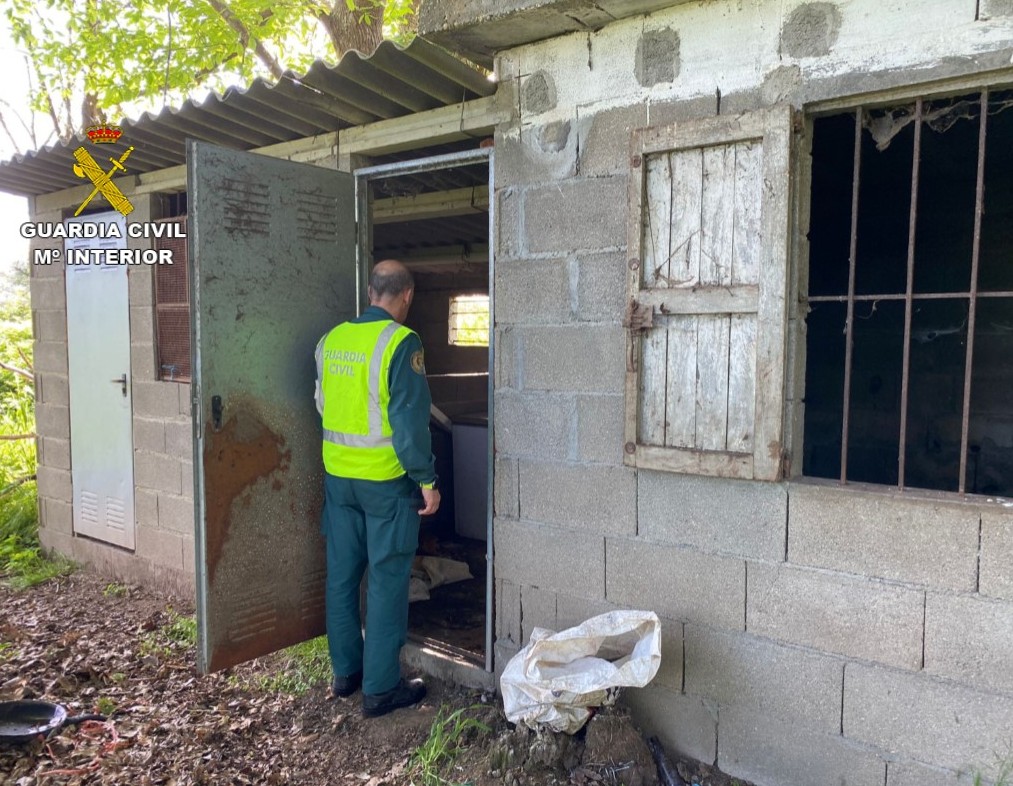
{"x": 408, "y": 411}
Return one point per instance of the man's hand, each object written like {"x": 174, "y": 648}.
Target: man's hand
{"x": 432, "y": 499}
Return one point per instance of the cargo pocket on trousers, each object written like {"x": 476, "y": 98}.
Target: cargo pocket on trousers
{"x": 406, "y": 536}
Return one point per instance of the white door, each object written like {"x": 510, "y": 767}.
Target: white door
{"x": 98, "y": 348}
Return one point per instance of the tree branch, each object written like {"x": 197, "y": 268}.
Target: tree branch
{"x": 10, "y": 136}
{"x": 13, "y": 437}
{"x": 243, "y": 32}
{"x": 19, "y": 371}
{"x": 16, "y": 483}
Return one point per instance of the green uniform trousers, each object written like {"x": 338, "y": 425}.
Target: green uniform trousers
{"x": 375, "y": 525}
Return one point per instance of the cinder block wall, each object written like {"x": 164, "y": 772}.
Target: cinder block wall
{"x": 812, "y": 634}
{"x": 163, "y": 465}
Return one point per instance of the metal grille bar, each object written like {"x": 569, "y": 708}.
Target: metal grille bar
{"x": 849, "y": 324}
{"x": 979, "y": 199}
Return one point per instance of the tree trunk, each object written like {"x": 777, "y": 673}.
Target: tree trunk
{"x": 346, "y": 31}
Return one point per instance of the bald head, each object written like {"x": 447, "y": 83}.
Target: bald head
{"x": 391, "y": 287}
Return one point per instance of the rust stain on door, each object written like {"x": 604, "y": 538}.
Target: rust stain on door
{"x": 235, "y": 458}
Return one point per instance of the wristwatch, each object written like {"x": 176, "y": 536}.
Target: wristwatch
{"x": 433, "y": 484}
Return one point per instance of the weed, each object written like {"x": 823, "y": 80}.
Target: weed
{"x": 1003, "y": 775}
{"x": 302, "y": 667}
{"x": 116, "y": 590}
{"x": 446, "y": 739}
{"x": 6, "y": 651}
{"x": 179, "y": 632}
{"x": 105, "y": 706}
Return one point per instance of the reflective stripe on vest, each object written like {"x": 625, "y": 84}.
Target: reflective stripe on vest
{"x": 368, "y": 456}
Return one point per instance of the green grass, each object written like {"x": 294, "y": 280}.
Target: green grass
{"x": 116, "y": 590}
{"x": 447, "y": 737}
{"x": 301, "y": 668}
{"x": 1003, "y": 772}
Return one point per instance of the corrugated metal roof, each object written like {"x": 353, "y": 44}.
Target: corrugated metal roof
{"x": 390, "y": 83}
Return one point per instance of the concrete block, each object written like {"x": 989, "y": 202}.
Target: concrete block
{"x": 532, "y": 292}
{"x": 678, "y": 583}
{"x": 713, "y": 514}
{"x": 993, "y": 8}
{"x": 571, "y": 611}
{"x": 50, "y": 325}
{"x": 686, "y": 725}
{"x": 160, "y": 546}
{"x": 970, "y": 640}
{"x": 157, "y": 471}
{"x": 862, "y": 618}
{"x": 550, "y": 558}
{"x": 503, "y": 651}
{"x": 55, "y": 483}
{"x": 996, "y": 578}
{"x": 54, "y": 542}
{"x": 579, "y": 359}
{"x": 186, "y": 471}
{"x": 663, "y": 113}
{"x": 594, "y": 499}
{"x": 508, "y": 222}
{"x": 911, "y": 773}
{"x": 508, "y": 612}
{"x": 875, "y": 534}
{"x": 605, "y": 147}
{"x": 50, "y": 356}
{"x": 600, "y": 424}
{"x": 601, "y": 287}
{"x": 533, "y": 424}
{"x": 48, "y": 292}
{"x": 140, "y": 286}
{"x": 59, "y": 515}
{"x": 538, "y": 610}
{"x": 671, "y": 672}
{"x": 541, "y": 153}
{"x": 52, "y": 388}
{"x": 179, "y": 438}
{"x": 57, "y": 452}
{"x": 771, "y": 752}
{"x": 508, "y": 360}
{"x": 581, "y": 214}
{"x": 52, "y": 420}
{"x": 145, "y": 507}
{"x": 142, "y": 362}
{"x": 176, "y": 513}
{"x": 185, "y": 402}
{"x": 156, "y": 399}
{"x": 149, "y": 434}
{"x": 506, "y": 490}
{"x": 189, "y": 558}
{"x": 142, "y": 325}
{"x": 918, "y": 717}
{"x": 740, "y": 670}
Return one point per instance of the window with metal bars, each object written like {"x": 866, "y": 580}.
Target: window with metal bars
{"x": 910, "y": 295}
{"x": 469, "y": 321}
{"x": 172, "y": 309}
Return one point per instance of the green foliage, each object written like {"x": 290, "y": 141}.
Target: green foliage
{"x": 22, "y": 563}
{"x": 140, "y": 55}
{"x": 447, "y": 737}
{"x": 105, "y": 706}
{"x": 301, "y": 667}
{"x": 116, "y": 590}
{"x": 178, "y": 633}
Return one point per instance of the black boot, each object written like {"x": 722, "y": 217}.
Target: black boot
{"x": 404, "y": 694}
{"x": 346, "y": 686}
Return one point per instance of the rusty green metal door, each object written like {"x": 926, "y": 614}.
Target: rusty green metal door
{"x": 272, "y": 254}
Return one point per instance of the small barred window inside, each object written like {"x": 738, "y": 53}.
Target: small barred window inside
{"x": 469, "y": 321}
{"x": 172, "y": 310}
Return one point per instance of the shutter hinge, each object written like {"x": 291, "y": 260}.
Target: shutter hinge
{"x": 639, "y": 316}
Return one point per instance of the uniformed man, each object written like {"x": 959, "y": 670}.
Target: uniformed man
{"x": 380, "y": 477}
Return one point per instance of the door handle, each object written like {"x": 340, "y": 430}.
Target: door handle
{"x": 121, "y": 381}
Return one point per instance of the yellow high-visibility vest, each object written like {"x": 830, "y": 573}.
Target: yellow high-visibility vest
{"x": 354, "y": 362}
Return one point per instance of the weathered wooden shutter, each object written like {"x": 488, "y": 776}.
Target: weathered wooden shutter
{"x": 708, "y": 246}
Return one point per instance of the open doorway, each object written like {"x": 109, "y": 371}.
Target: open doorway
{"x": 433, "y": 214}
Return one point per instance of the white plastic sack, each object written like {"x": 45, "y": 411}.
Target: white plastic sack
{"x": 558, "y": 677}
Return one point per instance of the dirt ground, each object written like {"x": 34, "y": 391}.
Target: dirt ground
{"x": 75, "y": 642}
